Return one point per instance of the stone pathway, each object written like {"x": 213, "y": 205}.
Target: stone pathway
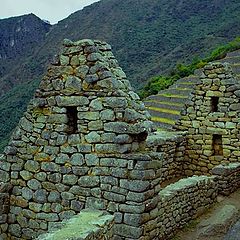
{"x": 234, "y": 232}
{"x": 218, "y": 223}
{"x": 191, "y": 231}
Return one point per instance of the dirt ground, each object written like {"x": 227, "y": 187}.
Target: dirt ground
{"x": 189, "y": 231}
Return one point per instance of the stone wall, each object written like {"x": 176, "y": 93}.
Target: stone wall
{"x": 78, "y": 145}
{"x": 182, "y": 201}
{"x": 172, "y": 146}
{"x": 87, "y": 225}
{"x": 5, "y": 190}
{"x": 212, "y": 121}
{"x": 228, "y": 177}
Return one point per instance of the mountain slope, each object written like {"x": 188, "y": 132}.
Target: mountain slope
{"x": 148, "y": 37}
{"x": 19, "y": 38}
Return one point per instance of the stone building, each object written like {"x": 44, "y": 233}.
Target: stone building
{"x": 211, "y": 119}
{"x": 86, "y": 142}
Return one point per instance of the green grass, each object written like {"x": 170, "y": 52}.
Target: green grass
{"x": 164, "y": 110}
{"x": 162, "y": 120}
{"x": 164, "y": 103}
{"x": 171, "y": 95}
{"x": 183, "y": 89}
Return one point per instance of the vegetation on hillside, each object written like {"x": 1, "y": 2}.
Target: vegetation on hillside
{"x": 12, "y": 107}
{"x": 157, "y": 83}
{"x": 147, "y": 37}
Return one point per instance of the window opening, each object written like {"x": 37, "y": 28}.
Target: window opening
{"x": 72, "y": 120}
{"x": 214, "y": 104}
{"x": 217, "y": 145}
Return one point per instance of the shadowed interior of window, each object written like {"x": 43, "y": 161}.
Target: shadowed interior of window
{"x": 217, "y": 145}
{"x": 72, "y": 120}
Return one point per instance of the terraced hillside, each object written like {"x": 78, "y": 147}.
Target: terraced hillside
{"x": 165, "y": 107}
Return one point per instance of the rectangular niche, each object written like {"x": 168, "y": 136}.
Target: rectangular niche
{"x": 72, "y": 120}
{"x": 217, "y": 145}
{"x": 214, "y": 104}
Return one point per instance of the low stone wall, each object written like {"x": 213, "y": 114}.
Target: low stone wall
{"x": 228, "y": 177}
{"x": 183, "y": 201}
{"x": 172, "y": 146}
{"x": 89, "y": 225}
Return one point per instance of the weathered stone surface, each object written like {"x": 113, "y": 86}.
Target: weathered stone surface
{"x": 71, "y": 101}
{"x": 219, "y": 222}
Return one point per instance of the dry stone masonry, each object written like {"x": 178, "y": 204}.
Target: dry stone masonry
{"x": 211, "y": 119}
{"x": 85, "y": 149}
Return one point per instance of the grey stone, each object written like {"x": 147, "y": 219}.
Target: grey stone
{"x": 10, "y": 150}
{"x": 50, "y": 167}
{"x": 89, "y": 181}
{"x": 26, "y": 175}
{"x": 117, "y": 127}
{"x": 107, "y": 115}
{"x": 15, "y": 230}
{"x": 114, "y": 197}
{"x": 63, "y": 101}
{"x": 93, "y": 137}
{"x": 124, "y": 138}
{"x": 66, "y": 214}
{"x": 96, "y": 105}
{"x": 218, "y": 223}
{"x": 64, "y": 60}
{"x": 27, "y": 193}
{"x": 41, "y": 176}
{"x": 84, "y": 148}
{"x": 115, "y": 102}
{"x": 95, "y": 125}
{"x": 51, "y": 217}
{"x": 93, "y": 57}
{"x": 82, "y": 70}
{"x": 92, "y": 160}
{"x": 26, "y": 125}
{"x": 127, "y": 231}
{"x": 34, "y": 184}
{"x": 62, "y": 158}
{"x": 76, "y": 205}
{"x": 54, "y": 177}
{"x": 135, "y": 185}
{"x": 32, "y": 166}
{"x": 77, "y": 159}
{"x": 70, "y": 179}
{"x": 73, "y": 84}
{"x": 89, "y": 115}
{"x": 54, "y": 197}
{"x": 91, "y": 78}
{"x": 96, "y": 203}
{"x": 40, "y": 196}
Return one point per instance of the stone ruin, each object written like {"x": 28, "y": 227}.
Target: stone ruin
{"x": 85, "y": 150}
{"x": 211, "y": 119}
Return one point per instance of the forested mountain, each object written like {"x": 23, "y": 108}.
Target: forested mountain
{"x": 148, "y": 38}
{"x": 19, "y": 38}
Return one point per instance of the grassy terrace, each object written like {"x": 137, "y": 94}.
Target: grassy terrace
{"x": 163, "y": 120}
{"x": 164, "y": 110}
{"x": 164, "y": 103}
{"x": 171, "y": 95}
